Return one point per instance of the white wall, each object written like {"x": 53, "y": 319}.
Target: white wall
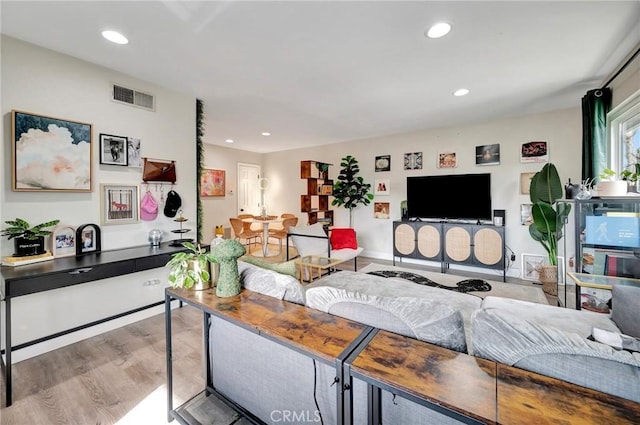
{"x": 561, "y": 129}
{"x": 216, "y": 210}
{"x": 44, "y": 82}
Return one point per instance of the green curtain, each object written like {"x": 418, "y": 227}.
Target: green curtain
{"x": 595, "y": 106}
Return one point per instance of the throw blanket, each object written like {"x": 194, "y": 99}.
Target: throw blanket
{"x": 464, "y": 286}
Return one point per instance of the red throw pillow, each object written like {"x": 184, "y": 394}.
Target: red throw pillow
{"x": 343, "y": 238}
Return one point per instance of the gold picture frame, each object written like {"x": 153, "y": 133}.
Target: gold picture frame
{"x": 42, "y": 146}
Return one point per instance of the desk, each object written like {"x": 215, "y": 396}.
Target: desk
{"x": 599, "y": 282}
{"x": 62, "y": 272}
{"x": 265, "y": 232}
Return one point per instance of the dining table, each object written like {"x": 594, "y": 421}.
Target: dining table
{"x": 265, "y": 221}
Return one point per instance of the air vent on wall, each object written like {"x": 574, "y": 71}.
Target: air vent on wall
{"x": 133, "y": 97}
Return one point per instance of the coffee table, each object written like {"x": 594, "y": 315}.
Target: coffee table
{"x": 316, "y": 262}
{"x": 598, "y": 281}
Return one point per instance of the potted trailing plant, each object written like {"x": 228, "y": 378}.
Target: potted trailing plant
{"x": 191, "y": 269}
{"x": 549, "y": 217}
{"x": 350, "y": 189}
{"x": 28, "y": 240}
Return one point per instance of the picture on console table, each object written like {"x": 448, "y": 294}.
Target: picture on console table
{"x": 50, "y": 154}
{"x": 88, "y": 239}
{"x": 63, "y": 241}
{"x": 488, "y": 154}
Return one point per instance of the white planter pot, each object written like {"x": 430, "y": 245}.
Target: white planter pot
{"x": 612, "y": 188}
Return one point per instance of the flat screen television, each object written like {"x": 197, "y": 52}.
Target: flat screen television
{"x": 450, "y": 196}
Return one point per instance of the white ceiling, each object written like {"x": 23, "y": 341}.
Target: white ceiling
{"x": 319, "y": 72}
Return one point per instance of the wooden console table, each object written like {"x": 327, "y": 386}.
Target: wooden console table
{"x": 316, "y": 334}
{"x": 463, "y": 387}
{"x": 68, "y": 271}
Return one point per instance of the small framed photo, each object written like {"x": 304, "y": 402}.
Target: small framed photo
{"x": 134, "y": 157}
{"x": 383, "y": 163}
{"x": 530, "y": 265}
{"x": 119, "y": 204}
{"x": 380, "y": 210}
{"x": 413, "y": 161}
{"x": 534, "y": 152}
{"x": 88, "y": 239}
{"x": 447, "y": 160}
{"x": 114, "y": 150}
{"x": 525, "y": 214}
{"x": 525, "y": 182}
{"x": 63, "y": 241}
{"x": 488, "y": 154}
{"x": 382, "y": 187}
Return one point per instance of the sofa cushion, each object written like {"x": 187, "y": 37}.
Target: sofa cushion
{"x": 317, "y": 245}
{"x": 389, "y": 287}
{"x": 419, "y": 318}
{"x": 547, "y": 315}
{"x": 269, "y": 282}
{"x": 550, "y": 342}
{"x": 343, "y": 238}
{"x": 288, "y": 267}
{"x": 625, "y": 312}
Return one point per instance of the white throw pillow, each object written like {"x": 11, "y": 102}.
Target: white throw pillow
{"x": 310, "y": 246}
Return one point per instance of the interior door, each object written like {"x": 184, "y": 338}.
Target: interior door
{"x": 248, "y": 190}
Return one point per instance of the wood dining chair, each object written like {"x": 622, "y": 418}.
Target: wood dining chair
{"x": 243, "y": 233}
{"x": 281, "y": 234}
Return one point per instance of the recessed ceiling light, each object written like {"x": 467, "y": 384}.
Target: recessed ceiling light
{"x": 438, "y": 30}
{"x": 115, "y": 37}
{"x": 461, "y": 92}
{"x": 266, "y": 133}
{"x": 229, "y": 140}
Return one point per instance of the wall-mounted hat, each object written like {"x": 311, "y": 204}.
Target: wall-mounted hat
{"x": 148, "y": 207}
{"x": 173, "y": 204}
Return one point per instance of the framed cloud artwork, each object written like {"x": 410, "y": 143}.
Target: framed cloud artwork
{"x": 50, "y": 154}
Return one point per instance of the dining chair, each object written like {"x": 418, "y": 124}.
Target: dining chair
{"x": 281, "y": 234}
{"x": 242, "y": 232}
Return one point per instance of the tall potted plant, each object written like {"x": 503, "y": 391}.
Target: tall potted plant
{"x": 350, "y": 189}
{"x": 549, "y": 217}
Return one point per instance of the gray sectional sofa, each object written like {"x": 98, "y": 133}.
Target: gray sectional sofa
{"x": 552, "y": 341}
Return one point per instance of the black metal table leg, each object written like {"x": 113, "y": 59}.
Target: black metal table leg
{"x": 167, "y": 323}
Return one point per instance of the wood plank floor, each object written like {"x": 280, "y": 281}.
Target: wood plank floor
{"x": 118, "y": 377}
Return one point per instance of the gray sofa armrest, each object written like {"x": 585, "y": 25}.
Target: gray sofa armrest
{"x": 506, "y": 337}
